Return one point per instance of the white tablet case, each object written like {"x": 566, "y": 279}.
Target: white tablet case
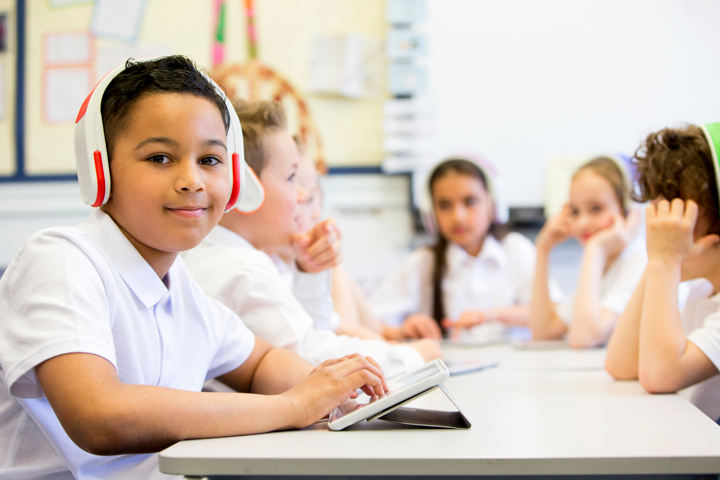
{"x": 424, "y": 418}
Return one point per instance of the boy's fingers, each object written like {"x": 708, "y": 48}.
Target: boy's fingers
{"x": 691, "y": 212}
{"x": 677, "y": 208}
{"x": 323, "y": 243}
{"x": 663, "y": 208}
{"x": 650, "y": 212}
{"x": 382, "y": 373}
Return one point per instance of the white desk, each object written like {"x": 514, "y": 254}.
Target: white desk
{"x": 541, "y": 412}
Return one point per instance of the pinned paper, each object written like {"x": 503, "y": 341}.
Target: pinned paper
{"x": 118, "y": 19}
{"x": 68, "y": 3}
{"x": 65, "y": 90}
{"x": 68, "y": 49}
{"x": 110, "y": 57}
{"x": 2, "y": 92}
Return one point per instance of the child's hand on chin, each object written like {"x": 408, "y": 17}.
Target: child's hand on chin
{"x": 556, "y": 230}
{"x": 613, "y": 239}
{"x": 318, "y": 249}
{"x": 331, "y": 383}
{"x": 670, "y": 228}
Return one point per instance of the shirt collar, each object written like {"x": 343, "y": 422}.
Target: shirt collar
{"x": 224, "y": 237}
{"x": 137, "y": 274}
{"x": 491, "y": 250}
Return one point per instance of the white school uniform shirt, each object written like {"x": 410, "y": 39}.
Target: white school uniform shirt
{"x": 313, "y": 291}
{"x": 618, "y": 281}
{"x": 501, "y": 275}
{"x": 701, "y": 323}
{"x": 86, "y": 289}
{"x": 245, "y": 279}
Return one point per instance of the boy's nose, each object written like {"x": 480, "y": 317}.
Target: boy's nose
{"x": 189, "y": 179}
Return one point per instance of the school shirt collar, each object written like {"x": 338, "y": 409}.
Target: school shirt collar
{"x": 491, "y": 250}
{"x": 224, "y": 237}
{"x": 132, "y": 267}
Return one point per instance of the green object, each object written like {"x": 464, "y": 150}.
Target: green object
{"x": 220, "y": 31}
{"x": 712, "y": 135}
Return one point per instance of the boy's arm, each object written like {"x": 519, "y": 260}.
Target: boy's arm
{"x": 255, "y": 375}
{"x": 668, "y": 361}
{"x": 106, "y": 417}
{"x": 623, "y": 348}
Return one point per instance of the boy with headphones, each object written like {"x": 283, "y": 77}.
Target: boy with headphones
{"x": 233, "y": 266}
{"x": 668, "y": 350}
{"x": 105, "y": 340}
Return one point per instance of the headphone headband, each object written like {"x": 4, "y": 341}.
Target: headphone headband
{"x": 93, "y": 164}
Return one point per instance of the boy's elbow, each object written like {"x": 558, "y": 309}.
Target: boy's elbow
{"x": 102, "y": 433}
{"x": 654, "y": 380}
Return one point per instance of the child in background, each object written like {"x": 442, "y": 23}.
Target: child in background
{"x": 354, "y": 317}
{"x": 473, "y": 275}
{"x": 613, "y": 257}
{"x": 105, "y": 340}
{"x": 232, "y": 265}
{"x": 668, "y": 350}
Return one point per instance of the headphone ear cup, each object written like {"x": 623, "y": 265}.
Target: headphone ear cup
{"x": 236, "y": 183}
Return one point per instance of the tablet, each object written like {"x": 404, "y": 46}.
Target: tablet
{"x": 401, "y": 388}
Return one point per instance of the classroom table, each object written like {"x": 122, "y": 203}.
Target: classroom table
{"x": 541, "y": 411}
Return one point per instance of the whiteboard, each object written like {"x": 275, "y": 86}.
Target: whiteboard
{"x": 523, "y": 80}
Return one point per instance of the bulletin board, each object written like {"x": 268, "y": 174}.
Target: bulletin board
{"x": 70, "y": 44}
{"x": 8, "y": 66}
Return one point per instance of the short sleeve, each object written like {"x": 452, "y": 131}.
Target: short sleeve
{"x": 237, "y": 342}
{"x": 707, "y": 338}
{"x": 523, "y": 256}
{"x": 53, "y": 301}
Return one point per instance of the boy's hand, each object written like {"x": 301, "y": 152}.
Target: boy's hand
{"x": 333, "y": 382}
{"x": 670, "y": 228}
{"x": 318, "y": 249}
{"x": 419, "y": 325}
{"x": 556, "y": 230}
{"x": 613, "y": 239}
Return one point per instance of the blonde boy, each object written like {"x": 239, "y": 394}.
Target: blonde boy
{"x": 231, "y": 267}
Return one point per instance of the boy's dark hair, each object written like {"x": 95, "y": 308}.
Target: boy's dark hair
{"x": 257, "y": 120}
{"x": 608, "y": 169}
{"x": 173, "y": 74}
{"x": 677, "y": 163}
{"x": 462, "y": 167}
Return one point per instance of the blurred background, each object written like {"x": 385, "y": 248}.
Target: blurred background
{"x": 379, "y": 89}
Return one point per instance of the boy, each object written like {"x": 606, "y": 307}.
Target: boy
{"x": 653, "y": 342}
{"x": 231, "y": 267}
{"x": 105, "y": 340}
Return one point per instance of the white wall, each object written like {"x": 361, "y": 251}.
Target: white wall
{"x": 522, "y": 80}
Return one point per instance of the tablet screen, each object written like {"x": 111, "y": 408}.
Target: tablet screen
{"x": 395, "y": 385}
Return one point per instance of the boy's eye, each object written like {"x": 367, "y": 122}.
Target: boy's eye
{"x": 210, "y": 161}
{"x": 159, "y": 159}
{"x": 291, "y": 178}
{"x": 596, "y": 209}
{"x": 470, "y": 202}
{"x": 574, "y": 212}
{"x": 442, "y": 205}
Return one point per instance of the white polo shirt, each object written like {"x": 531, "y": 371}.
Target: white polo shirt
{"x": 701, "y": 323}
{"x": 618, "y": 282}
{"x": 501, "y": 275}
{"x": 87, "y": 289}
{"x": 245, "y": 279}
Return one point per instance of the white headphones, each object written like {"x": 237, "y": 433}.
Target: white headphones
{"x": 247, "y": 194}
{"x": 492, "y": 178}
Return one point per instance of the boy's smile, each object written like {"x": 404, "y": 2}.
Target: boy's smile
{"x": 170, "y": 177}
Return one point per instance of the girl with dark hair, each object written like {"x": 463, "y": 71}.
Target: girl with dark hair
{"x": 473, "y": 275}
{"x": 598, "y": 216}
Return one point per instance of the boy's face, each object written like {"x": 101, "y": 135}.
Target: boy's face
{"x": 170, "y": 177}
{"x": 309, "y": 209}
{"x": 275, "y": 221}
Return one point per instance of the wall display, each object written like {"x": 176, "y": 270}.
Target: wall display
{"x": 118, "y": 19}
{"x": 65, "y": 89}
{"x": 68, "y": 49}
